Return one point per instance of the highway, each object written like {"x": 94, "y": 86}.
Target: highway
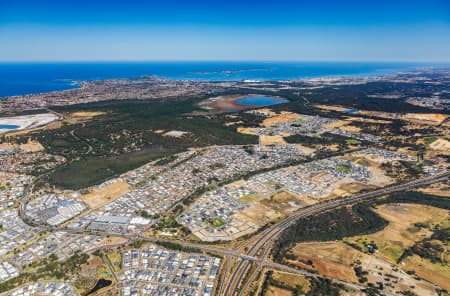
{"x": 262, "y": 242}
{"x": 267, "y": 237}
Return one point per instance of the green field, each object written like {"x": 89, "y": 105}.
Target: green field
{"x": 351, "y": 142}
{"x": 216, "y": 222}
{"x": 343, "y": 168}
{"x": 248, "y": 198}
{"x": 429, "y": 140}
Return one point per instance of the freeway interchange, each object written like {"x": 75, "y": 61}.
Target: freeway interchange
{"x": 265, "y": 238}
{"x": 236, "y": 279}
{"x": 253, "y": 255}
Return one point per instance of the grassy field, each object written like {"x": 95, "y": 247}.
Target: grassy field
{"x": 434, "y": 272}
{"x": 248, "y": 198}
{"x": 343, "y": 168}
{"x": 429, "y": 140}
{"x": 216, "y": 222}
{"x": 401, "y": 232}
{"x": 116, "y": 260}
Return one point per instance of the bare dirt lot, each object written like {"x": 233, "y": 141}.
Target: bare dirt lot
{"x": 433, "y": 119}
{"x": 99, "y": 197}
{"x": 78, "y": 117}
{"x": 30, "y": 146}
{"x": 330, "y": 259}
{"x": 271, "y": 140}
{"x": 343, "y": 125}
{"x": 283, "y": 117}
{"x": 441, "y": 189}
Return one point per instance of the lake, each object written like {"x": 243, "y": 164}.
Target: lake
{"x": 9, "y": 126}
{"x": 260, "y": 101}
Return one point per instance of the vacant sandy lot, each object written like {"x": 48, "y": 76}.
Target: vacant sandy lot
{"x": 246, "y": 130}
{"x": 111, "y": 241}
{"x": 271, "y": 140}
{"x": 343, "y": 125}
{"x": 283, "y": 117}
{"x": 440, "y": 189}
{"x": 275, "y": 291}
{"x": 330, "y": 259}
{"x": 425, "y": 118}
{"x": 441, "y": 145}
{"x": 285, "y": 202}
{"x": 99, "y": 197}
{"x": 260, "y": 214}
{"x": 368, "y": 120}
{"x": 331, "y": 108}
{"x": 77, "y": 117}
{"x": 30, "y": 146}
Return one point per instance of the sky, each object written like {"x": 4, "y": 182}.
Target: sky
{"x": 231, "y": 30}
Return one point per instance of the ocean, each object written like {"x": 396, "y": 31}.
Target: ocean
{"x": 29, "y": 78}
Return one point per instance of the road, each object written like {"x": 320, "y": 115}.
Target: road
{"x": 110, "y": 267}
{"x": 72, "y": 133}
{"x": 263, "y": 241}
{"x": 266, "y": 238}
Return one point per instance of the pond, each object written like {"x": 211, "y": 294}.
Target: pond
{"x": 101, "y": 283}
{"x": 260, "y": 101}
{"x": 9, "y": 126}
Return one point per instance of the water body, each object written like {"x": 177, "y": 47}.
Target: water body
{"x": 28, "y": 78}
{"x": 101, "y": 283}
{"x": 9, "y": 126}
{"x": 260, "y": 101}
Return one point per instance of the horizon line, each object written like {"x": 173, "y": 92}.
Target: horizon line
{"x": 225, "y": 61}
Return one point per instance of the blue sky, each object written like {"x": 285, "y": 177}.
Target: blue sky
{"x": 224, "y": 30}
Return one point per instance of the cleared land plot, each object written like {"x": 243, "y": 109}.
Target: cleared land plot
{"x": 112, "y": 241}
{"x": 284, "y": 117}
{"x": 81, "y": 116}
{"x": 440, "y": 189}
{"x": 291, "y": 280}
{"x": 275, "y": 291}
{"x": 401, "y": 232}
{"x": 424, "y": 118}
{"x": 285, "y": 202}
{"x": 441, "y": 145}
{"x": 99, "y": 197}
{"x": 271, "y": 140}
{"x": 30, "y": 146}
{"x": 330, "y": 259}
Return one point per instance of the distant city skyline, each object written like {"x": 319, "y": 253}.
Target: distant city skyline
{"x": 415, "y": 31}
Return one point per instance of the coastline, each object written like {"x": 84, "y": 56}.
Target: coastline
{"x": 24, "y": 84}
